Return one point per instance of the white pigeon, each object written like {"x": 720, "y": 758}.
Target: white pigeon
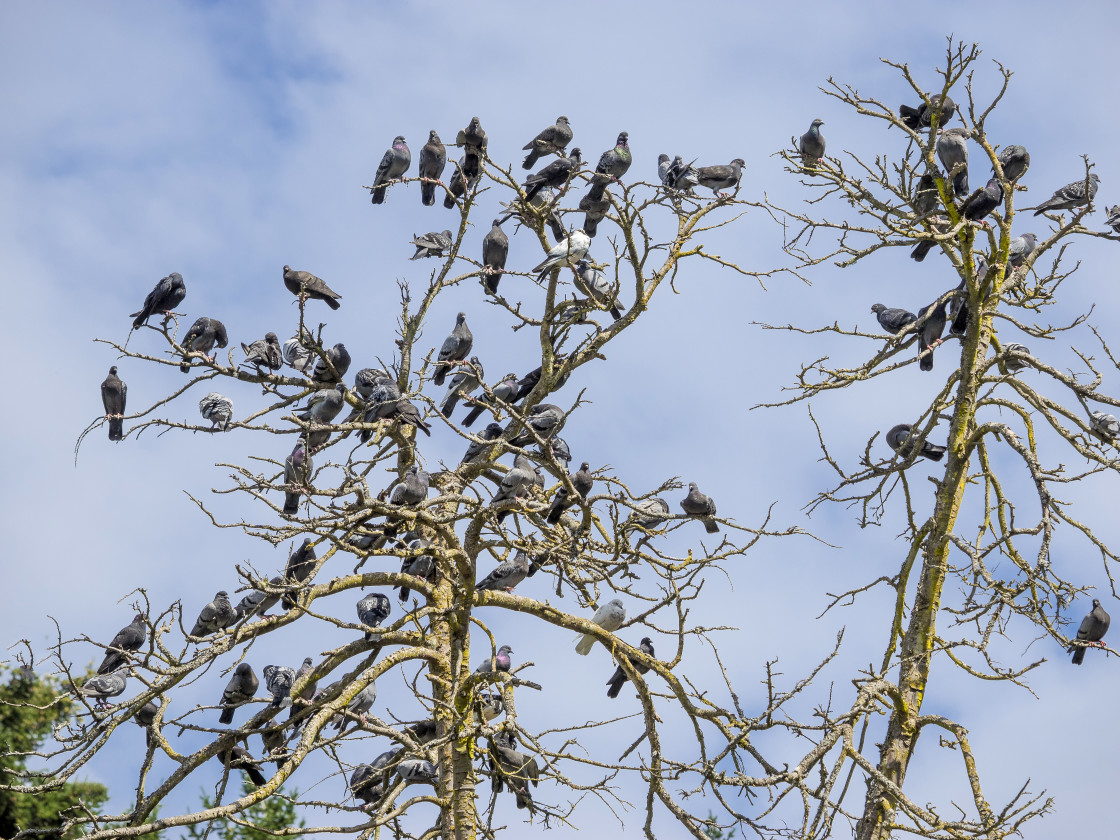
{"x": 569, "y": 250}
{"x": 610, "y": 617}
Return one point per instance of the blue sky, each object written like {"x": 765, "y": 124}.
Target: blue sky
{"x": 223, "y": 141}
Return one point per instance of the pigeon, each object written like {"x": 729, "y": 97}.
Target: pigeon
{"x": 513, "y": 768}
{"x": 983, "y": 201}
{"x": 1113, "y": 220}
{"x": 1092, "y": 630}
{"x": 421, "y": 566}
{"x": 937, "y": 224}
{"x": 372, "y": 610}
{"x": 506, "y": 391}
{"x": 101, "y": 687}
{"x": 1015, "y": 161}
{"x": 529, "y": 381}
{"x": 1021, "y": 247}
{"x": 663, "y": 167}
{"x": 498, "y": 663}
{"x": 555, "y": 138}
{"x": 682, "y": 176}
{"x": 463, "y": 383}
{"x": 145, "y": 717}
{"x": 454, "y": 349}
{"x": 648, "y": 514}
{"x": 365, "y": 784}
{"x": 413, "y": 489}
{"x": 507, "y": 574}
{"x": 168, "y": 293}
{"x": 240, "y": 689}
{"x": 893, "y": 320}
{"x": 463, "y": 178}
{"x": 613, "y": 163}
{"x": 1070, "y": 196}
{"x": 719, "y": 178}
{"x": 958, "y": 304}
{"x": 596, "y": 286}
{"x": 307, "y": 693}
{"x": 544, "y": 419}
{"x": 922, "y": 116}
{"x": 516, "y": 479}
{"x": 1104, "y": 425}
{"x": 610, "y": 617}
{"x": 491, "y": 433}
{"x": 264, "y": 352}
{"x": 275, "y": 739}
{"x": 304, "y": 285}
{"x": 582, "y": 481}
{"x": 812, "y": 144}
{"x": 339, "y": 358}
{"x": 322, "y": 407}
{"x": 952, "y": 151}
{"x": 926, "y": 197}
{"x": 297, "y": 474}
{"x": 432, "y": 244}
{"x": 301, "y": 563}
{"x": 217, "y": 615}
{"x": 433, "y": 158}
{"x": 472, "y": 138}
{"x": 898, "y": 438}
{"x": 394, "y": 163}
{"x": 595, "y": 208}
{"x": 701, "y": 507}
{"x": 1013, "y": 359}
{"x": 568, "y": 251}
{"x": 296, "y": 354}
{"x": 358, "y": 707}
{"x": 619, "y": 678}
{"x": 366, "y": 380}
{"x": 238, "y": 758}
{"x": 489, "y": 705}
{"x": 218, "y": 409}
{"x": 201, "y": 338}
{"x": 259, "y": 602}
{"x": 114, "y": 393}
{"x": 413, "y": 771}
{"x": 931, "y": 324}
{"x": 128, "y": 640}
{"x": 386, "y": 403}
{"x": 495, "y": 250}
{"x": 556, "y": 174}
{"x": 559, "y": 449}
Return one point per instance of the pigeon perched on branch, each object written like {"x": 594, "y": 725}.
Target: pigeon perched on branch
{"x": 240, "y": 689}
{"x": 218, "y": 409}
{"x": 701, "y": 507}
{"x": 372, "y": 610}
{"x": 582, "y": 481}
{"x": 433, "y": 158}
{"x": 952, "y": 151}
{"x": 619, "y": 678}
{"x": 553, "y": 139}
{"x": 495, "y": 250}
{"x": 114, "y": 394}
{"x": 610, "y": 617}
{"x": 556, "y": 174}
{"x": 217, "y": 615}
{"x": 568, "y": 251}
{"x": 506, "y": 391}
{"x": 1015, "y": 161}
{"x": 501, "y": 662}
{"x": 1092, "y": 630}
{"x": 812, "y": 144}
{"x": 432, "y": 244}
{"x": 168, "y": 293}
{"x": 201, "y": 338}
{"x": 1070, "y": 196}
{"x": 922, "y": 116}
{"x": 898, "y": 438}
{"x": 507, "y": 574}
{"x": 264, "y": 352}
{"x": 454, "y": 350}
{"x": 103, "y": 686}
{"x": 128, "y": 640}
{"x": 719, "y": 178}
{"x": 304, "y": 285}
{"x": 394, "y": 163}
{"x": 893, "y": 320}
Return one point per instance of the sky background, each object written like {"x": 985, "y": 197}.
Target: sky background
{"x": 225, "y": 140}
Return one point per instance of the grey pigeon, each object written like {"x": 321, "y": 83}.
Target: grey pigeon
{"x": 217, "y": 615}
{"x": 366, "y": 380}
{"x": 491, "y": 433}
{"x": 1104, "y": 425}
{"x": 1113, "y": 220}
{"x": 387, "y": 403}
{"x": 433, "y": 158}
{"x": 472, "y": 138}
{"x": 128, "y": 640}
{"x": 682, "y": 176}
{"x": 301, "y": 563}
{"x": 168, "y": 293}
{"x": 544, "y": 419}
{"x": 454, "y": 349}
{"x": 114, "y": 393}
{"x": 501, "y": 662}
{"x": 1013, "y": 359}
{"x": 297, "y": 355}
{"x": 898, "y": 438}
{"x": 358, "y": 707}
{"x": 1021, "y": 247}
{"x": 931, "y": 324}
{"x": 462, "y": 384}
{"x": 619, "y": 678}
{"x": 238, "y": 758}
{"x": 506, "y": 391}
{"x": 609, "y": 616}
{"x": 201, "y": 338}
{"x": 893, "y": 320}
{"x": 596, "y": 286}
{"x": 983, "y": 201}
{"x": 413, "y": 771}
{"x": 811, "y": 146}
{"x": 529, "y": 381}
{"x": 958, "y": 304}
{"x": 264, "y": 352}
{"x": 365, "y": 784}
{"x": 432, "y": 244}
{"x": 304, "y": 285}
{"x": 613, "y": 163}
{"x": 545, "y": 198}
{"x": 513, "y": 483}
{"x": 922, "y": 116}
{"x": 240, "y": 689}
{"x": 259, "y": 602}
{"x": 218, "y": 409}
{"x": 490, "y": 705}
{"x": 145, "y": 717}
{"x": 307, "y": 693}
{"x": 568, "y": 251}
{"x": 413, "y": 489}
{"x": 937, "y": 224}
{"x": 926, "y": 197}
{"x": 322, "y": 407}
{"x": 1092, "y": 630}
{"x": 556, "y": 174}
{"x": 275, "y": 739}
{"x": 394, "y": 163}
{"x": 1070, "y": 196}
{"x": 559, "y": 449}
{"x": 553, "y": 139}
{"x": 663, "y": 167}
{"x": 372, "y": 610}
{"x": 952, "y": 151}
{"x": 649, "y": 513}
{"x": 1015, "y": 161}
{"x": 507, "y": 574}
{"x": 104, "y": 686}
{"x": 339, "y": 358}
{"x": 514, "y": 769}
{"x": 701, "y": 507}
{"x": 464, "y": 178}
{"x": 595, "y": 208}
{"x": 421, "y": 566}
{"x": 495, "y": 250}
{"x": 719, "y": 178}
{"x": 582, "y": 481}
{"x": 297, "y": 474}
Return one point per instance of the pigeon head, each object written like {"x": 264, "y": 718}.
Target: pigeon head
{"x": 577, "y": 154}
{"x": 562, "y": 120}
{"x": 817, "y": 123}
{"x": 433, "y": 137}
{"x": 113, "y": 370}
{"x": 622, "y": 138}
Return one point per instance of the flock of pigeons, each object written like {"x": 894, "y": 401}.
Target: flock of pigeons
{"x": 376, "y": 401}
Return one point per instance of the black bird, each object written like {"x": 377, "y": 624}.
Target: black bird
{"x": 300, "y": 565}
{"x": 898, "y": 438}
{"x": 529, "y": 381}
{"x": 128, "y": 640}
{"x": 619, "y": 678}
{"x": 168, "y": 293}
{"x": 931, "y": 324}
{"x": 238, "y": 758}
{"x": 113, "y": 396}
{"x": 983, "y": 201}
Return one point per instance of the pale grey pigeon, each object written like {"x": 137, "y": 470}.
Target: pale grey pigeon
{"x": 296, "y": 353}
{"x": 1013, "y": 359}
{"x": 568, "y": 251}
{"x": 339, "y": 358}
{"x": 619, "y": 678}
{"x": 114, "y": 394}
{"x": 1092, "y": 630}
{"x": 217, "y": 615}
{"x": 596, "y": 286}
{"x": 513, "y": 483}
{"x": 432, "y": 244}
{"x": 701, "y": 507}
{"x": 648, "y": 514}
{"x": 358, "y": 707}
{"x": 218, "y": 409}
{"x": 433, "y": 158}
{"x": 506, "y": 391}
{"x": 609, "y": 616}
{"x": 128, "y": 640}
{"x": 104, "y": 686}
{"x": 1021, "y": 247}
{"x": 168, "y": 293}
{"x": 201, "y": 338}
{"x": 394, "y": 163}
{"x": 264, "y": 352}
{"x": 1070, "y": 196}
{"x": 304, "y": 285}
{"x": 240, "y": 689}
{"x": 413, "y": 489}
{"x": 898, "y": 438}
{"x": 322, "y": 407}
{"x": 1104, "y": 425}
{"x": 462, "y": 384}
{"x": 553, "y": 139}
{"x": 507, "y": 574}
